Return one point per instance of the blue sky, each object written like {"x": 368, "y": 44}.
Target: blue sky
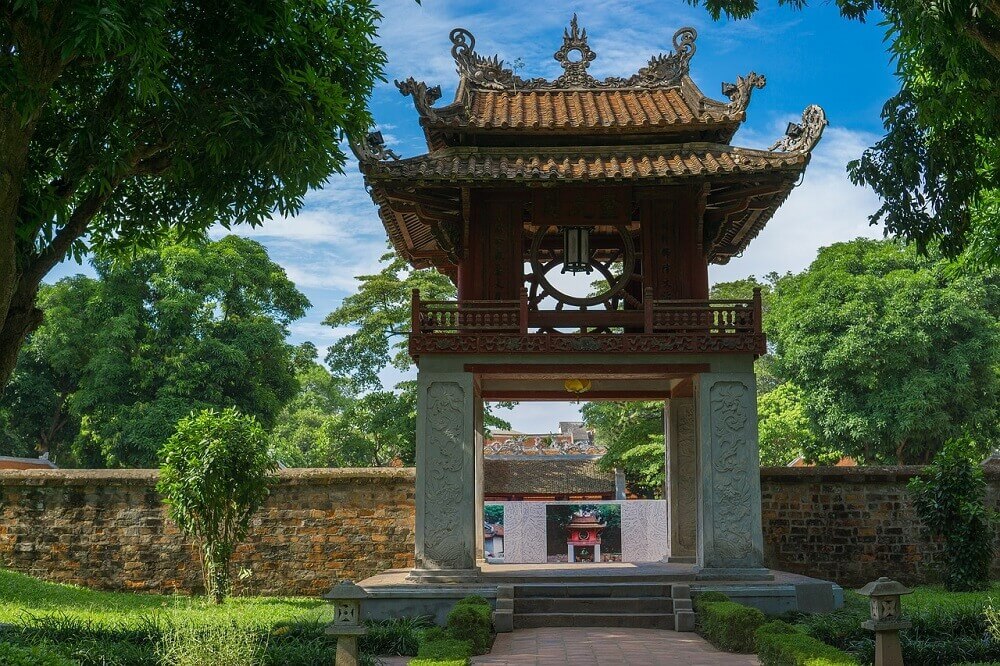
{"x": 810, "y": 56}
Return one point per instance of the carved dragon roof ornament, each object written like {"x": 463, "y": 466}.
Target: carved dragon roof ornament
{"x": 739, "y": 93}
{"x": 803, "y": 137}
{"x": 575, "y": 56}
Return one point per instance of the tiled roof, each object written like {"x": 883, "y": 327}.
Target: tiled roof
{"x": 496, "y": 165}
{"x": 575, "y": 110}
{"x": 546, "y": 476}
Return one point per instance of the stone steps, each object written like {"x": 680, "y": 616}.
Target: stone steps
{"x": 655, "y": 605}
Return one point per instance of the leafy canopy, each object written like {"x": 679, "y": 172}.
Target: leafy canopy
{"x": 894, "y": 353}
{"x": 120, "y": 120}
{"x": 213, "y": 478}
{"x": 178, "y": 328}
{"x": 937, "y": 169}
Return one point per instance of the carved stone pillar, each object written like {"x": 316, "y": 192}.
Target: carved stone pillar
{"x": 480, "y": 480}
{"x": 681, "y": 490}
{"x": 446, "y": 534}
{"x": 730, "y": 540}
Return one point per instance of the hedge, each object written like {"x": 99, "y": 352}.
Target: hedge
{"x": 472, "y": 621}
{"x": 781, "y": 644}
{"x": 728, "y": 625}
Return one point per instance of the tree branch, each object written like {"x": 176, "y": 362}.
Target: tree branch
{"x": 989, "y": 42}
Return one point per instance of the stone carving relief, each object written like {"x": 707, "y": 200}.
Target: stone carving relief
{"x": 444, "y": 542}
{"x": 732, "y": 466}
{"x": 687, "y": 478}
{"x": 524, "y": 532}
{"x": 644, "y": 530}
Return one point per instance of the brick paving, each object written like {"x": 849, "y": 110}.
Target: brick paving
{"x": 593, "y": 646}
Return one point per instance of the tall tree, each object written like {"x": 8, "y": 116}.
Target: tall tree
{"x": 937, "y": 169}
{"x": 119, "y": 120}
{"x": 178, "y": 328}
{"x": 633, "y": 434}
{"x": 894, "y": 352}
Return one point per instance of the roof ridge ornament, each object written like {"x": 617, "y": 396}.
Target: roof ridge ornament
{"x": 662, "y": 71}
{"x": 803, "y": 137}
{"x": 739, "y": 93}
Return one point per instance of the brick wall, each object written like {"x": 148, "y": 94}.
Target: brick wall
{"x": 108, "y": 529}
{"x": 851, "y": 524}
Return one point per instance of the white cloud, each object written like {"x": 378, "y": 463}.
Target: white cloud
{"x": 826, "y": 208}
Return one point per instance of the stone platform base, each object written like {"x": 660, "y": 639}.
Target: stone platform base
{"x": 394, "y": 593}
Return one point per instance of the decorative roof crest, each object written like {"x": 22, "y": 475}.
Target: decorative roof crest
{"x": 371, "y": 147}
{"x": 803, "y": 137}
{"x": 575, "y": 56}
{"x": 739, "y": 93}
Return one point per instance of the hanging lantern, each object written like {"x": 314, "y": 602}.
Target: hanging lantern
{"x": 576, "y": 250}
{"x": 577, "y": 386}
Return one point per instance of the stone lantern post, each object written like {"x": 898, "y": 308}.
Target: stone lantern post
{"x": 886, "y": 619}
{"x": 346, "y": 626}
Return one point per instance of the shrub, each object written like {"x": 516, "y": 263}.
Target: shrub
{"x": 781, "y": 644}
{"x": 438, "y": 662}
{"x": 36, "y": 655}
{"x": 474, "y": 600}
{"x": 708, "y": 598}
{"x": 730, "y": 626}
{"x": 445, "y": 648}
{"x": 949, "y": 496}
{"x": 213, "y": 479}
{"x": 395, "y": 636}
{"x": 473, "y": 623}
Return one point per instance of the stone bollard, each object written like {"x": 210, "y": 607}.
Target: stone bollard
{"x": 886, "y": 619}
{"x": 346, "y": 626}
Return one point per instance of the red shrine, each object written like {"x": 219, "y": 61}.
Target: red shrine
{"x": 632, "y": 185}
{"x": 584, "y": 532}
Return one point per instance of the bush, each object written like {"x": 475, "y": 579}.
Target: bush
{"x": 395, "y": 636}
{"x": 949, "y": 496}
{"x": 214, "y": 477}
{"x": 708, "y": 598}
{"x": 474, "y": 600}
{"x": 781, "y": 644}
{"x": 36, "y": 655}
{"x": 730, "y": 626}
{"x": 438, "y": 662}
{"x": 445, "y": 648}
{"x": 473, "y": 623}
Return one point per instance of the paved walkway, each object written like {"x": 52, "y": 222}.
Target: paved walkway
{"x": 592, "y": 646}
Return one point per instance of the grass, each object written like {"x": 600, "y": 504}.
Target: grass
{"x": 22, "y": 597}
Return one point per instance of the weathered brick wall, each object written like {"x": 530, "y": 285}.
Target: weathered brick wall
{"x": 108, "y": 529}
{"x": 851, "y": 524}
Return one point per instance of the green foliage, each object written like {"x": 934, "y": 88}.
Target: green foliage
{"x": 472, "y": 623}
{"x": 728, "y": 625}
{"x": 120, "y": 359}
{"x": 213, "y": 479}
{"x": 462, "y": 661}
{"x": 949, "y": 495}
{"x": 445, "y": 649}
{"x": 394, "y": 636}
{"x": 781, "y": 644}
{"x": 633, "y": 434}
{"x": 894, "y": 353}
{"x": 742, "y": 290}
{"x": 710, "y": 597}
{"x": 37, "y": 655}
{"x": 380, "y": 313}
{"x": 493, "y": 513}
{"x": 122, "y": 120}
{"x": 785, "y": 431}
{"x": 189, "y": 644}
{"x": 937, "y": 169}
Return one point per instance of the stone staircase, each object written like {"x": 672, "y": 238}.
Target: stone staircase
{"x": 647, "y": 605}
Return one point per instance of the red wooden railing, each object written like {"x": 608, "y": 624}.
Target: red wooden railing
{"x": 715, "y": 317}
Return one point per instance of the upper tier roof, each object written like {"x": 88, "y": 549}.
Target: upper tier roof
{"x": 660, "y": 99}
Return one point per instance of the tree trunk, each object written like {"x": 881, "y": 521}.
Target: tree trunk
{"x": 22, "y": 317}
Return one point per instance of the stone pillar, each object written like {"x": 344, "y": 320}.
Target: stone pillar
{"x": 681, "y": 490}
{"x": 730, "y": 540}
{"x": 446, "y": 534}
{"x": 480, "y": 481}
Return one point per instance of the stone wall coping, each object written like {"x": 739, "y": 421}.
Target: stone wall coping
{"x": 146, "y": 477}
{"x": 860, "y": 474}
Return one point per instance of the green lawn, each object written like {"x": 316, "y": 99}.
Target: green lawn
{"x": 21, "y": 596}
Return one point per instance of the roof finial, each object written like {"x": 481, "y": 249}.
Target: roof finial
{"x": 803, "y": 137}
{"x": 575, "y": 67}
